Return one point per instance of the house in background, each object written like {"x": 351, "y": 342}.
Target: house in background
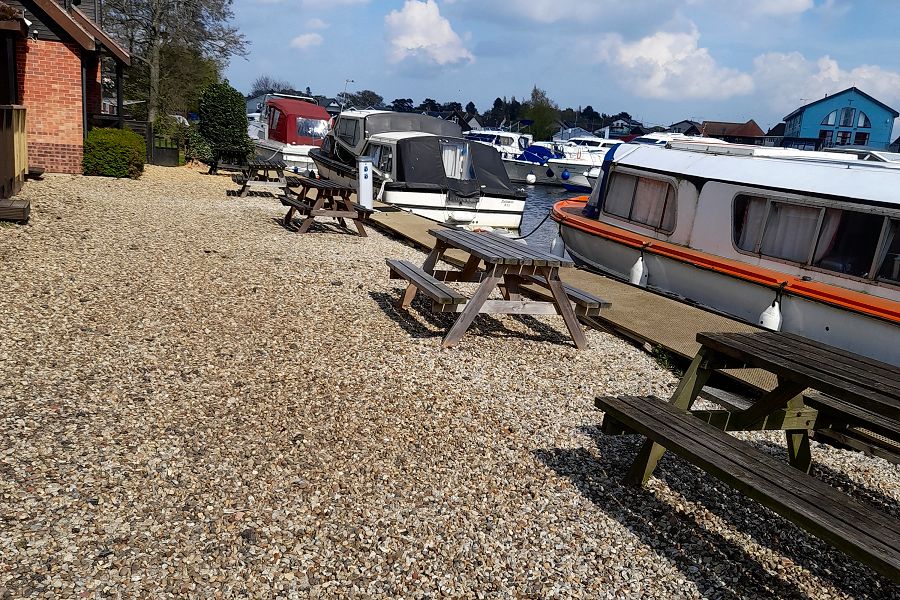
{"x": 466, "y": 121}
{"x": 57, "y": 78}
{"x": 848, "y": 118}
{"x": 621, "y": 128}
{"x": 686, "y": 127}
{"x": 736, "y": 133}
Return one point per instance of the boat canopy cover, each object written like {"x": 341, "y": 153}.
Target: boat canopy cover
{"x": 426, "y": 161}
{"x": 385, "y": 122}
{"x": 537, "y": 155}
{"x": 298, "y": 108}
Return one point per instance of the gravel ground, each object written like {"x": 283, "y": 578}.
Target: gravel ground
{"x": 197, "y": 402}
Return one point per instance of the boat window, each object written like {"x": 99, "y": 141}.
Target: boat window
{"x": 847, "y": 115}
{"x": 889, "y": 257}
{"x": 348, "y": 131}
{"x": 847, "y": 241}
{"x": 523, "y": 143}
{"x": 830, "y": 119}
{"x": 456, "y": 159}
{"x": 643, "y": 200}
{"x": 749, "y": 216}
{"x": 790, "y": 231}
{"x": 863, "y": 120}
{"x": 312, "y": 128}
{"x": 374, "y": 152}
{"x": 274, "y": 116}
{"x": 386, "y": 160}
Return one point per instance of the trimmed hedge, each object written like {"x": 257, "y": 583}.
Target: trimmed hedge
{"x": 223, "y": 118}
{"x": 114, "y": 153}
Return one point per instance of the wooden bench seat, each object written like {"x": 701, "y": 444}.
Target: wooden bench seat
{"x": 362, "y": 210}
{"x": 869, "y": 535}
{"x": 425, "y": 283}
{"x": 586, "y": 304}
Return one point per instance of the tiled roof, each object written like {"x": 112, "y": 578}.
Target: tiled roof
{"x": 748, "y": 129}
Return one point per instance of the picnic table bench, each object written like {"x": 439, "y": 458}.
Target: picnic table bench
{"x": 507, "y": 265}
{"x": 331, "y": 199}
{"x": 853, "y": 391}
{"x": 258, "y": 176}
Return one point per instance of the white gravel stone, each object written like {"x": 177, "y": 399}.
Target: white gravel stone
{"x": 197, "y": 402}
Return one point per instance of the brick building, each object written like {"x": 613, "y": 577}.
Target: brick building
{"x": 57, "y": 77}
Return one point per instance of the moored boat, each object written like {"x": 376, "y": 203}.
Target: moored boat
{"x": 794, "y": 241}
{"x": 581, "y": 155}
{"x": 287, "y": 128}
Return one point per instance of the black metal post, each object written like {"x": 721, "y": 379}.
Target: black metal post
{"x": 119, "y": 99}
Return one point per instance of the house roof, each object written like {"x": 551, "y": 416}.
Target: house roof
{"x": 748, "y": 129}
{"x": 849, "y": 89}
{"x": 81, "y": 29}
{"x": 694, "y": 123}
{"x": 777, "y": 130}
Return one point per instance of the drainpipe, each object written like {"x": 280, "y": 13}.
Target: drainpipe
{"x": 84, "y": 98}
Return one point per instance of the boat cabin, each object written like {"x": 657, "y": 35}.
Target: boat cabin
{"x": 353, "y": 128}
{"x": 293, "y": 121}
{"x": 835, "y": 220}
{"x": 509, "y": 144}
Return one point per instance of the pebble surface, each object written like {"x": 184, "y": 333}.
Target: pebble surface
{"x": 196, "y": 402}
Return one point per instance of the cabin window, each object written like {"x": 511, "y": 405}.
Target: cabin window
{"x": 749, "y": 217}
{"x": 830, "y": 119}
{"x": 790, "y": 231}
{"x": 312, "y": 128}
{"x": 348, "y": 131}
{"x": 523, "y": 143}
{"x": 274, "y": 117}
{"x": 382, "y": 157}
{"x": 847, "y": 115}
{"x": 863, "y": 120}
{"x": 456, "y": 159}
{"x": 847, "y": 241}
{"x": 889, "y": 257}
{"x": 506, "y": 141}
{"x": 642, "y": 200}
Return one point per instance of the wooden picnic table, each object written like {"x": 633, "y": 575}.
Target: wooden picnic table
{"x": 508, "y": 265}
{"x": 853, "y": 391}
{"x": 265, "y": 175}
{"x": 228, "y": 159}
{"x": 331, "y": 199}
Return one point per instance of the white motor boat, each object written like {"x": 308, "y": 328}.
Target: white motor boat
{"x": 581, "y": 155}
{"x": 803, "y": 242}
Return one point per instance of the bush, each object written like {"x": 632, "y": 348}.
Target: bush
{"x": 223, "y": 118}
{"x": 114, "y": 153}
{"x": 196, "y": 147}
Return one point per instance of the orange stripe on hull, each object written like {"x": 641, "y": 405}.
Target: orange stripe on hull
{"x": 568, "y": 212}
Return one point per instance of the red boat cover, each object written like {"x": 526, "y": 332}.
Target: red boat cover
{"x": 285, "y": 128}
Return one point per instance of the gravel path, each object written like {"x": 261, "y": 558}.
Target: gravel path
{"x": 196, "y": 402}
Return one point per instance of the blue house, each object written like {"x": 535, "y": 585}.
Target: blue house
{"x": 848, "y": 118}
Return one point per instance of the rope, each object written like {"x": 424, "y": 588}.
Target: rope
{"x": 522, "y": 237}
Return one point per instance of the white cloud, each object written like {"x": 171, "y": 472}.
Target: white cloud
{"x": 316, "y": 24}
{"x": 672, "y": 66}
{"x": 418, "y": 31}
{"x": 780, "y": 7}
{"x": 306, "y": 40}
{"x": 786, "y": 78}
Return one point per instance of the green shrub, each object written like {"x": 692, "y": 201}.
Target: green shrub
{"x": 114, "y": 153}
{"x": 223, "y": 118}
{"x": 196, "y": 147}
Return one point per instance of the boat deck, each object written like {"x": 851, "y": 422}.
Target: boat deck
{"x": 641, "y": 315}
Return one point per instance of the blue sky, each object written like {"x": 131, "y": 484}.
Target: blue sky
{"x": 660, "y": 60}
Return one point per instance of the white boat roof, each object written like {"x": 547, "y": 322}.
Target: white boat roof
{"x": 393, "y": 136}
{"x": 362, "y": 113}
{"x": 792, "y": 172}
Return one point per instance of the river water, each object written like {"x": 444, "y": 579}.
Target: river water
{"x": 540, "y": 200}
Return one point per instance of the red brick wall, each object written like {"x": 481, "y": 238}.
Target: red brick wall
{"x": 49, "y": 79}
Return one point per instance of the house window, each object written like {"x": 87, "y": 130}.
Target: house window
{"x": 843, "y": 138}
{"x": 847, "y": 115}
{"x": 861, "y": 138}
{"x": 825, "y": 135}
{"x": 889, "y": 256}
{"x": 830, "y": 119}
{"x": 863, "y": 120}
{"x": 642, "y": 200}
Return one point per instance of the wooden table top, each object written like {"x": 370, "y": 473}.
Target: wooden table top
{"x": 858, "y": 380}
{"x": 319, "y": 184}
{"x": 497, "y": 249}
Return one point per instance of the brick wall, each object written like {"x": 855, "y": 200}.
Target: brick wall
{"x": 49, "y": 80}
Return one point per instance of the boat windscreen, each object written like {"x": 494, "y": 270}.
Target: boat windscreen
{"x": 394, "y": 121}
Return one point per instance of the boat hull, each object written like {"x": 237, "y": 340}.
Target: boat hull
{"x": 571, "y": 175}
{"x": 519, "y": 170}
{"x": 295, "y": 157}
{"x": 735, "y": 296}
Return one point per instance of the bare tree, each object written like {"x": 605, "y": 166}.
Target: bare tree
{"x": 148, "y": 27}
{"x": 266, "y": 84}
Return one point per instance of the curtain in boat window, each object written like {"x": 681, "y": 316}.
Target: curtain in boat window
{"x": 456, "y": 159}
{"x": 621, "y": 192}
{"x": 649, "y": 201}
{"x": 889, "y": 257}
{"x": 749, "y": 213}
{"x": 827, "y": 234}
{"x": 790, "y": 232}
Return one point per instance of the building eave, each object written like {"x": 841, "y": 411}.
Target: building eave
{"x": 105, "y": 40}
{"x": 61, "y": 17}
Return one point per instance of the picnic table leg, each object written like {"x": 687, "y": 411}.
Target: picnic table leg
{"x": 308, "y": 221}
{"x": 345, "y": 196}
{"x": 690, "y": 385}
{"x": 428, "y": 266}
{"x": 470, "y": 267}
{"x": 473, "y": 306}
{"x": 565, "y": 307}
{"x": 511, "y": 287}
{"x": 246, "y": 187}
{"x": 799, "y": 454}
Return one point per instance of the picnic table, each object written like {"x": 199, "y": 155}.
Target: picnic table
{"x": 331, "y": 199}
{"x": 262, "y": 174}
{"x": 508, "y": 265}
{"x": 228, "y": 159}
{"x": 852, "y": 392}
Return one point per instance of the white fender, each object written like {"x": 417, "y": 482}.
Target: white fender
{"x": 558, "y": 247}
{"x": 771, "y": 317}
{"x": 638, "y": 274}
